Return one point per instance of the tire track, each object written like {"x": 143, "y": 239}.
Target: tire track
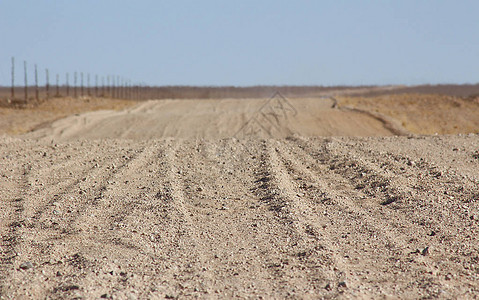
{"x": 382, "y": 245}
{"x": 211, "y": 224}
{"x": 444, "y": 203}
{"x": 83, "y": 187}
{"x": 121, "y": 215}
{"x": 415, "y": 195}
{"x": 13, "y": 179}
{"x": 54, "y": 213}
{"x": 11, "y": 223}
{"x": 237, "y": 228}
{"x": 294, "y": 218}
{"x": 192, "y": 273}
{"x": 18, "y": 172}
{"x": 452, "y": 185}
{"x": 327, "y": 271}
{"x": 400, "y": 220}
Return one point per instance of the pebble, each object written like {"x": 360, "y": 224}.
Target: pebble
{"x": 26, "y": 265}
{"x": 425, "y": 251}
{"x": 132, "y": 297}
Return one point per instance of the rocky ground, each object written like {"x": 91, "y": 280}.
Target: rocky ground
{"x": 228, "y": 202}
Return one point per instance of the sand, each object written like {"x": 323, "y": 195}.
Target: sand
{"x": 238, "y": 199}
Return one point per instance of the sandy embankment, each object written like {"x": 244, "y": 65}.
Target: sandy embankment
{"x": 222, "y": 199}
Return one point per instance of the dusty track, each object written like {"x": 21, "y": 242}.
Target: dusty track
{"x": 294, "y": 216}
{"x": 216, "y": 119}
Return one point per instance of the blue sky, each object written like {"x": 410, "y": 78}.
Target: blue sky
{"x": 247, "y": 42}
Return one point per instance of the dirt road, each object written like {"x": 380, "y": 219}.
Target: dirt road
{"x": 180, "y": 208}
{"x": 216, "y": 119}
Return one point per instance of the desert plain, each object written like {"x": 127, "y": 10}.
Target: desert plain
{"x": 324, "y": 196}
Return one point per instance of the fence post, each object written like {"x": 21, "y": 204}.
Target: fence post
{"x": 26, "y": 82}
{"x": 118, "y": 87}
{"x": 58, "y": 88}
{"x": 113, "y": 93}
{"x": 122, "y": 88}
{"x": 47, "y": 85}
{"x": 96, "y": 85}
{"x": 115, "y": 85}
{"x": 36, "y": 83}
{"x": 68, "y": 84}
{"x": 75, "y": 77}
{"x": 88, "y": 84}
{"x": 81, "y": 84}
{"x": 13, "y": 78}
{"x": 103, "y": 86}
{"x": 108, "y": 87}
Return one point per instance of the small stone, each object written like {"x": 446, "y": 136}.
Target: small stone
{"x": 342, "y": 284}
{"x": 104, "y": 296}
{"x": 328, "y": 287}
{"x": 132, "y": 296}
{"x": 425, "y": 251}
{"x": 26, "y": 265}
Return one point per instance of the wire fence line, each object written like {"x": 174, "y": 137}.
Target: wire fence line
{"x": 38, "y": 85}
